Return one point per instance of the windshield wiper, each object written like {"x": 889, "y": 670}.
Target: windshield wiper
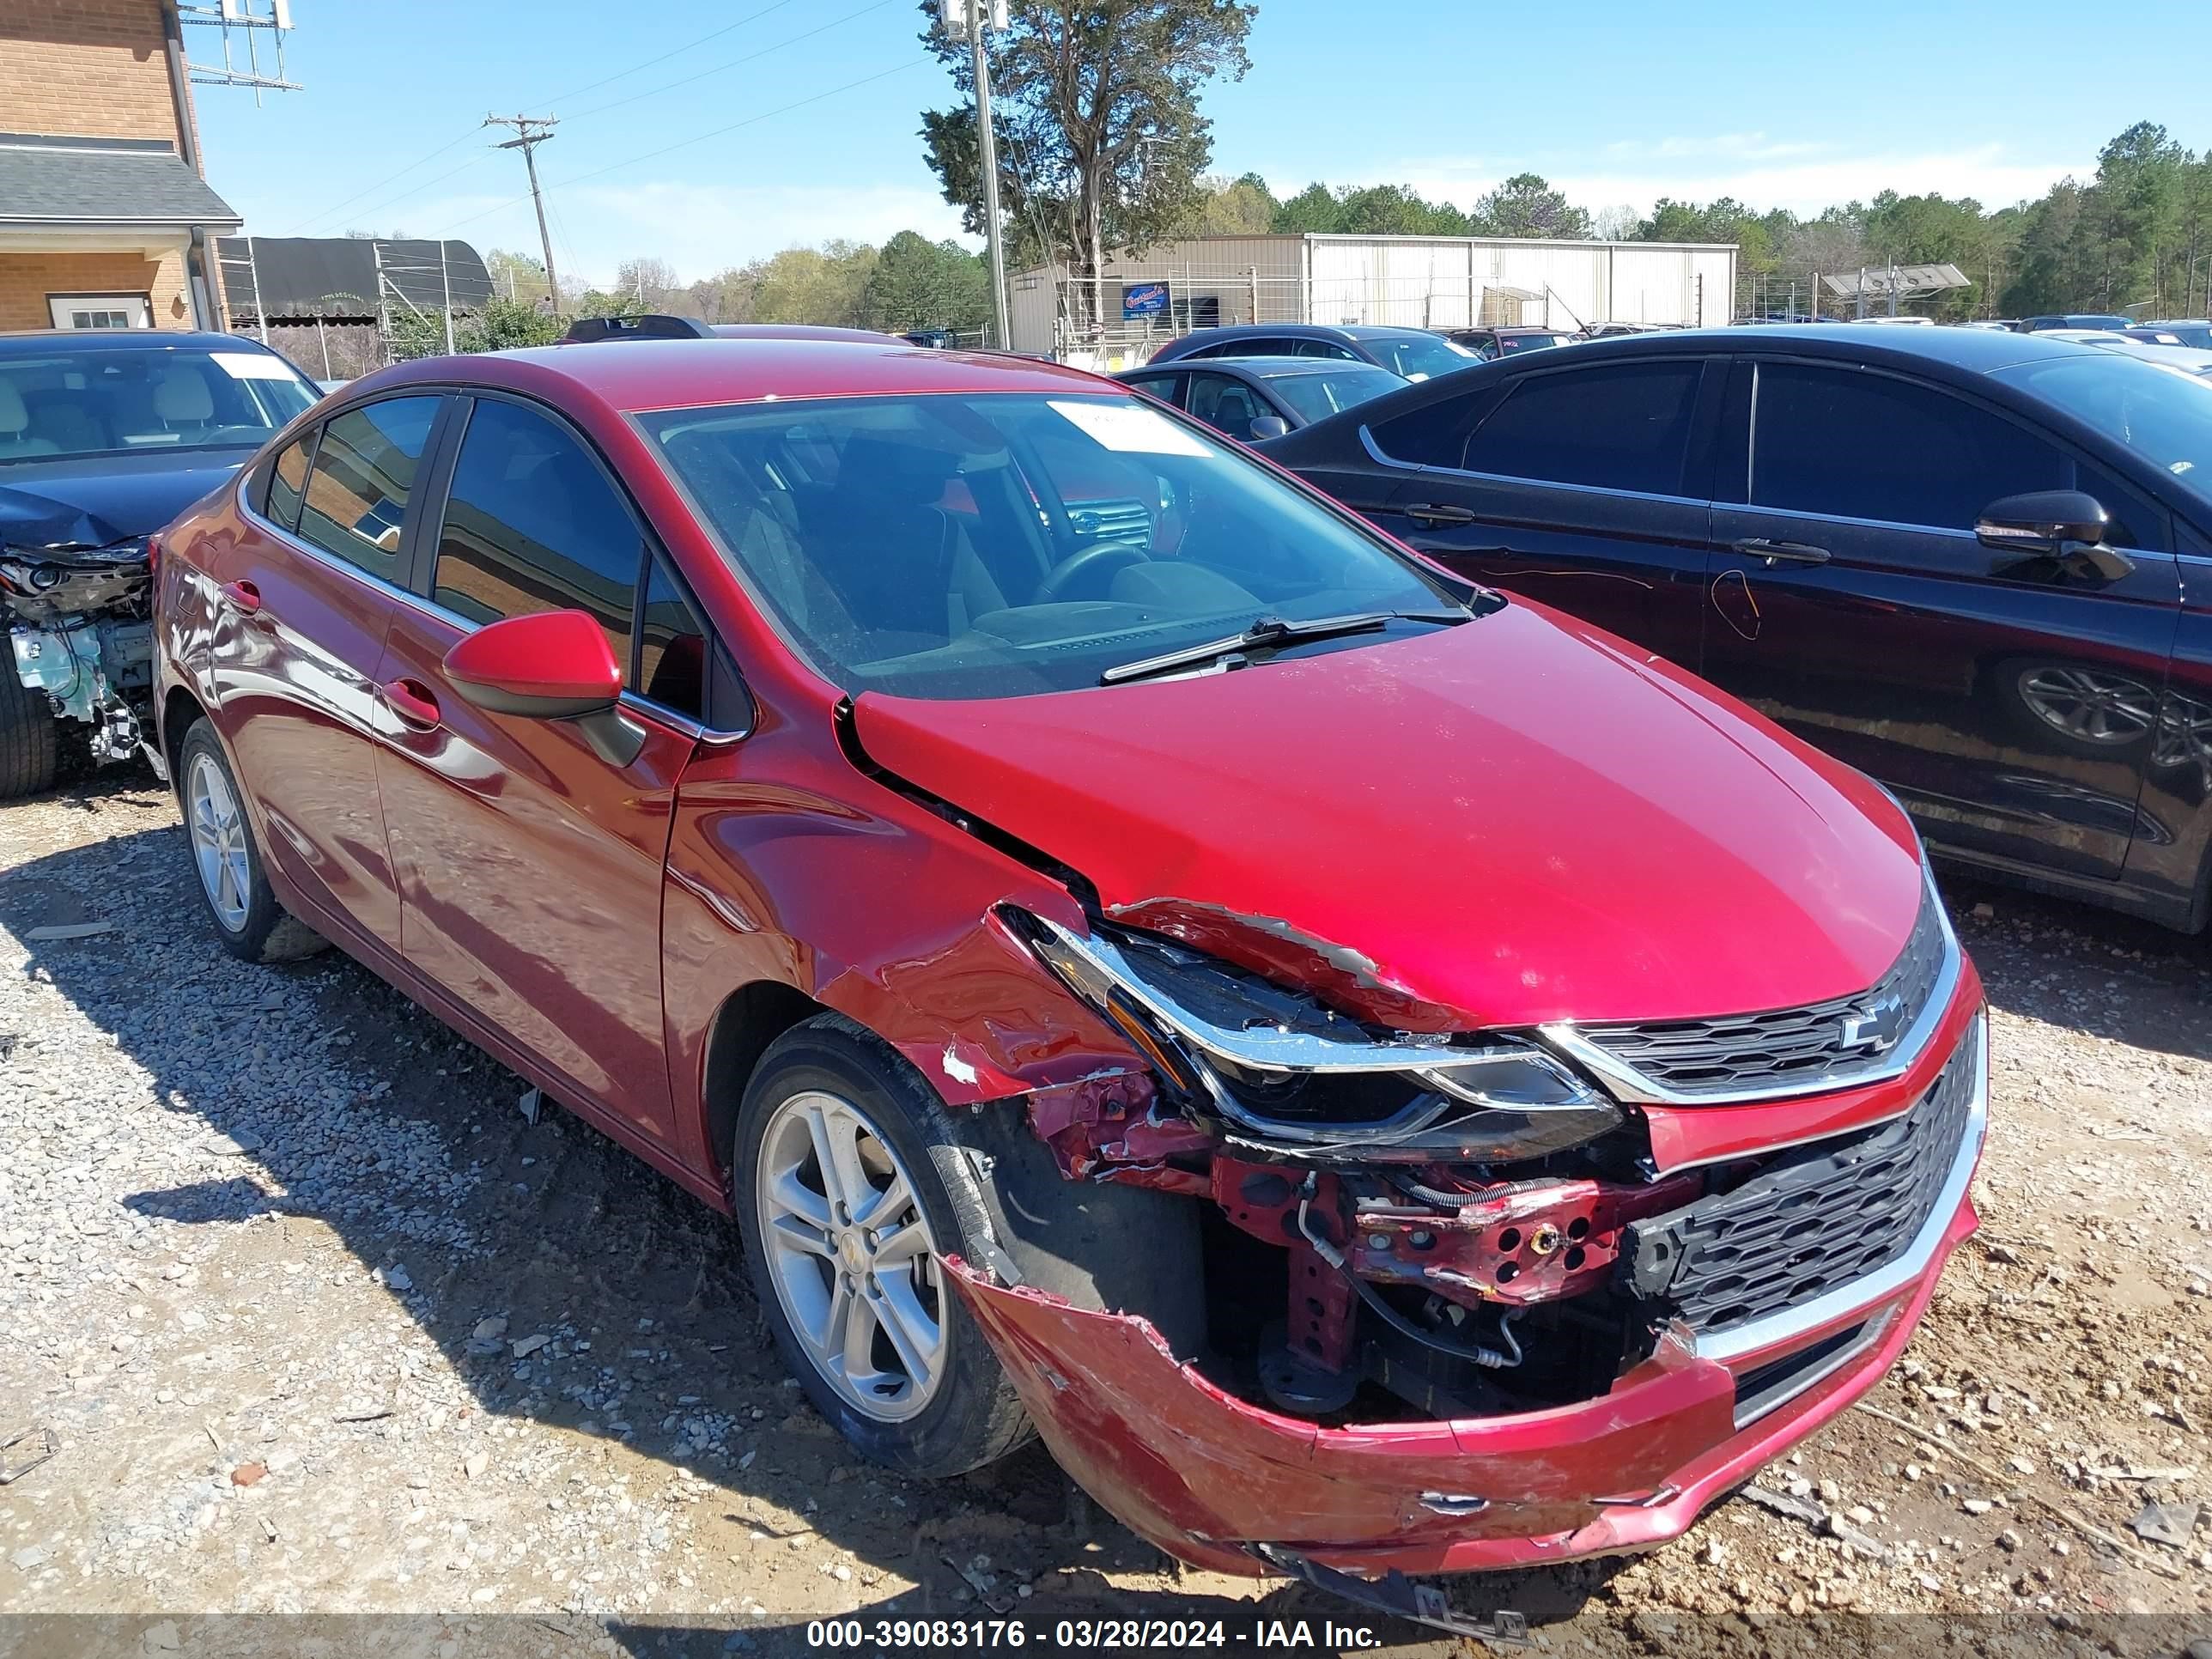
{"x": 1269, "y": 633}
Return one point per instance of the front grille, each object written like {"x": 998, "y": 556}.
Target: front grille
{"x": 1791, "y": 1050}
{"x": 1814, "y": 1221}
{"x": 1111, "y": 521}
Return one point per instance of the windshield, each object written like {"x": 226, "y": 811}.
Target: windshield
{"x": 2198, "y": 334}
{"x": 1418, "y": 357}
{"x": 2164, "y": 414}
{"x": 63, "y": 404}
{"x": 1314, "y": 395}
{"x": 999, "y": 544}
{"x": 1532, "y": 342}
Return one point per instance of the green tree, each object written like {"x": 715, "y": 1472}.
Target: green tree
{"x": 503, "y": 326}
{"x": 1527, "y": 205}
{"x": 918, "y": 283}
{"x": 1396, "y": 211}
{"x": 1229, "y": 207}
{"x": 2051, "y": 275}
{"x": 1315, "y": 211}
{"x": 812, "y": 285}
{"x": 1094, "y": 103}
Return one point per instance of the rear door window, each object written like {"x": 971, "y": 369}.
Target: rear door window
{"x": 356, "y": 502}
{"x": 1850, "y": 444}
{"x": 531, "y": 523}
{"x": 1625, "y": 426}
{"x": 288, "y": 481}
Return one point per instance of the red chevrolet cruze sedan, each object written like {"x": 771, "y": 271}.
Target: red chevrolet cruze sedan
{"x": 1381, "y": 1076}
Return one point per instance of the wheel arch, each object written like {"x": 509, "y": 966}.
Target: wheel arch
{"x": 179, "y": 708}
{"x": 749, "y": 1019}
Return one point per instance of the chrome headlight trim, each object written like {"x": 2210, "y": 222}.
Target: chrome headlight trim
{"x": 1095, "y": 966}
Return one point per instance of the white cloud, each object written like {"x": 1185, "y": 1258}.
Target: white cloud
{"x": 1745, "y": 146}
{"x": 698, "y": 228}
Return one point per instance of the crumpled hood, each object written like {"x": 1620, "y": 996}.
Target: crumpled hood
{"x": 107, "y": 498}
{"x": 1509, "y": 821}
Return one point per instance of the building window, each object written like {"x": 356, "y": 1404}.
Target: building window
{"x": 100, "y": 310}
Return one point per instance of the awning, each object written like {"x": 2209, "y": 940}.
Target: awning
{"x": 338, "y": 276}
{"x": 103, "y": 184}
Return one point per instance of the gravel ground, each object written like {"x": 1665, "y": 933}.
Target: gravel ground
{"x": 320, "y": 1325}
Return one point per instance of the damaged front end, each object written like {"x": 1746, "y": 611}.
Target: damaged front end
{"x": 1482, "y": 1298}
{"x": 80, "y": 636}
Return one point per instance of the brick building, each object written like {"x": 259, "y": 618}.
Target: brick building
{"x": 105, "y": 220}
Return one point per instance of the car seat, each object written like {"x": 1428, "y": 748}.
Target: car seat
{"x": 16, "y": 425}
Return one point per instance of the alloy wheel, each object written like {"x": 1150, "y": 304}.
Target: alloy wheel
{"x": 850, "y": 1253}
{"x": 2090, "y": 707}
{"x": 218, "y": 832}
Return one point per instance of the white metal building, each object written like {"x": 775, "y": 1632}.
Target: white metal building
{"x": 1422, "y": 282}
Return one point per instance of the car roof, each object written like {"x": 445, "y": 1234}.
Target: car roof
{"x": 648, "y": 374}
{"x": 1971, "y": 351}
{"x": 126, "y": 339}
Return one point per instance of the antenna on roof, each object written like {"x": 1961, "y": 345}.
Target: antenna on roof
{"x": 250, "y": 18}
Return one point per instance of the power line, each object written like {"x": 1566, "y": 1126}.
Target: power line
{"x": 697, "y": 138}
{"x": 454, "y": 143}
{"x": 670, "y": 86}
{"x": 673, "y": 52}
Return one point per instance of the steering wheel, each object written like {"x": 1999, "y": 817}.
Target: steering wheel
{"x": 1098, "y": 556}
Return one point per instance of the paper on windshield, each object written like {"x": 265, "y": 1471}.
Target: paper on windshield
{"x": 253, "y": 365}
{"x": 1128, "y": 429}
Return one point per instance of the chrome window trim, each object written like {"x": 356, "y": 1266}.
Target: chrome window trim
{"x": 1845, "y": 1300}
{"x": 1624, "y": 1083}
{"x": 684, "y": 725}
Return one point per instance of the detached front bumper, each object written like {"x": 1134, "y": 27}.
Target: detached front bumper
{"x": 1209, "y": 1478}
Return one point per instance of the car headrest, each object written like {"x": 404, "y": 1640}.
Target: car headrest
{"x": 910, "y": 473}
{"x": 15, "y": 418}
{"x": 181, "y": 394}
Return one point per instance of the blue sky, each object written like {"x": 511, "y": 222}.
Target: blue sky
{"x": 796, "y": 121}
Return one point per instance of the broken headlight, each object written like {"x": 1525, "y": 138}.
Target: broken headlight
{"x": 1282, "y": 1066}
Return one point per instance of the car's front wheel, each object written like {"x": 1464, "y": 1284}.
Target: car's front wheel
{"x": 848, "y": 1188}
{"x": 249, "y": 918}
{"x": 28, "y": 737}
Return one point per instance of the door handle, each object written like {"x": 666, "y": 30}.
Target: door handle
{"x": 1759, "y": 547}
{"x": 242, "y": 596}
{"x": 411, "y": 703}
{"x": 1439, "y": 512}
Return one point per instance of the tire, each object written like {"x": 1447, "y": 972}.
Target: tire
{"x": 248, "y": 917}
{"x": 965, "y": 1188}
{"x": 27, "y": 744}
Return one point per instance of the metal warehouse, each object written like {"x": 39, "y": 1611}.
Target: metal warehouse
{"x": 1139, "y": 303}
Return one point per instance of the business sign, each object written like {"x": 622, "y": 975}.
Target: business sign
{"x": 1144, "y": 300}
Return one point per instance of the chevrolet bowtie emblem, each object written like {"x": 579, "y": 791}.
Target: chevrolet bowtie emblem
{"x": 1878, "y": 1027}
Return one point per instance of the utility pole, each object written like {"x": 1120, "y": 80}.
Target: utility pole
{"x": 530, "y": 131}
{"x": 971, "y": 18}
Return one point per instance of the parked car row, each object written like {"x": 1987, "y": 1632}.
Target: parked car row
{"x": 832, "y": 768}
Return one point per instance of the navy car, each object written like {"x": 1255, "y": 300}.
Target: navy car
{"x": 1415, "y": 353}
{"x": 1256, "y": 397}
{"x": 1976, "y": 565}
{"x": 105, "y": 436}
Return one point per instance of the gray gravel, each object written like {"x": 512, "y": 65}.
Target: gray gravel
{"x": 321, "y": 1324}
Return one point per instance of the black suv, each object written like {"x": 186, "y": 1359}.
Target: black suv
{"x": 1977, "y": 565}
